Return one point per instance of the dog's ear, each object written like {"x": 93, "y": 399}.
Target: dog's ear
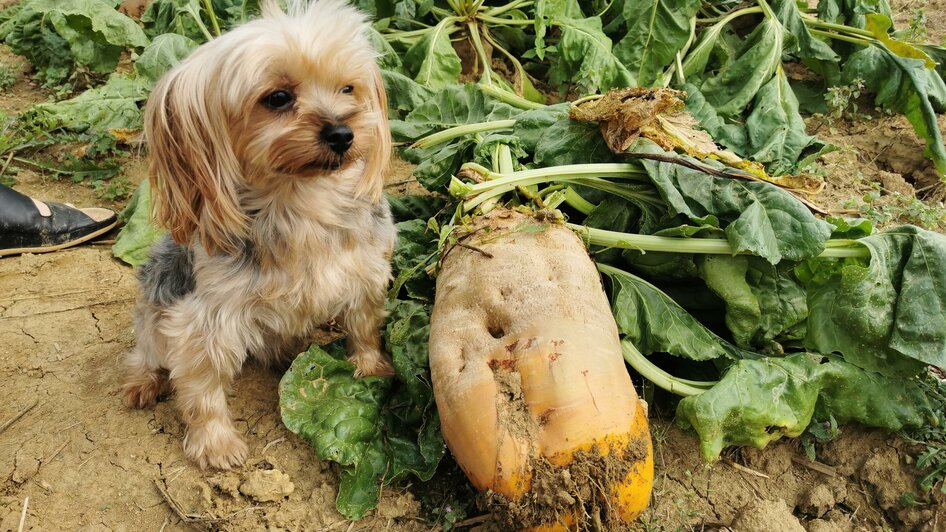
{"x": 193, "y": 170}
{"x": 379, "y": 157}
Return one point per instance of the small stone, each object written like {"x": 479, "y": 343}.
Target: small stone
{"x": 397, "y": 507}
{"x": 267, "y": 486}
{"x": 25, "y": 466}
{"x": 817, "y": 501}
{"x": 229, "y": 484}
{"x": 565, "y": 498}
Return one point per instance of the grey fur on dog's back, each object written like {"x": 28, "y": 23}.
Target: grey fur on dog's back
{"x": 169, "y": 273}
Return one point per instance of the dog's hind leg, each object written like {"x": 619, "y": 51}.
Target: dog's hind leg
{"x": 204, "y": 357}
{"x": 145, "y": 380}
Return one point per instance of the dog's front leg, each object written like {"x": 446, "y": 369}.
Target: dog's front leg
{"x": 207, "y": 347}
{"x": 363, "y": 321}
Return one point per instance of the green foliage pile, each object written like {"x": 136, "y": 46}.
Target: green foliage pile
{"x": 759, "y": 319}
{"x": 728, "y": 56}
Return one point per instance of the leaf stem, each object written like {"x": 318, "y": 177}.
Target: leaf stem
{"x": 553, "y": 173}
{"x": 523, "y": 76}
{"x": 812, "y": 21}
{"x": 767, "y": 10}
{"x": 510, "y": 98}
{"x": 703, "y": 246}
{"x": 459, "y": 131}
{"x": 659, "y": 377}
{"x": 505, "y": 21}
{"x": 200, "y": 23}
{"x": 726, "y": 19}
{"x": 213, "y": 17}
{"x": 838, "y": 36}
{"x": 474, "y": 32}
{"x": 412, "y": 21}
{"x": 508, "y": 7}
{"x": 577, "y": 202}
{"x": 499, "y": 184}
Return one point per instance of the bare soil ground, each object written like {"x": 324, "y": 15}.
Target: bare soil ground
{"x": 85, "y": 462}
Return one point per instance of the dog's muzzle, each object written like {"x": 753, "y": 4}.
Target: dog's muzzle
{"x": 339, "y": 137}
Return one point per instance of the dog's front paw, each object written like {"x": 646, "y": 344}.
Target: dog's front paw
{"x": 142, "y": 390}
{"x": 372, "y": 363}
{"x": 217, "y": 445}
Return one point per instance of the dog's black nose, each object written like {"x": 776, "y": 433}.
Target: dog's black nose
{"x": 338, "y": 137}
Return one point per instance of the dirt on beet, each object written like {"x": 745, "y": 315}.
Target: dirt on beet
{"x": 73, "y": 457}
{"x": 577, "y": 492}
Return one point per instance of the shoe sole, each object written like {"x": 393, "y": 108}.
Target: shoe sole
{"x": 57, "y": 247}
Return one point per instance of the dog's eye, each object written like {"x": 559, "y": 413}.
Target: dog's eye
{"x": 278, "y": 100}
{"x": 347, "y": 89}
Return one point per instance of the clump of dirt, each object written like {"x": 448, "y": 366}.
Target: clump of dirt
{"x": 771, "y": 516}
{"x": 267, "y": 485}
{"x": 575, "y": 494}
{"x": 512, "y": 414}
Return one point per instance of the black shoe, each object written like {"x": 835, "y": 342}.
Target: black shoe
{"x": 30, "y": 226}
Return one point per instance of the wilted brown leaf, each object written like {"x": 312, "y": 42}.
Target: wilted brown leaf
{"x": 624, "y": 115}
{"x": 125, "y": 136}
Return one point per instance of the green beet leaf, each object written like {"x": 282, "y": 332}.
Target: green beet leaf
{"x": 532, "y": 125}
{"x": 452, "y": 106}
{"x": 710, "y": 42}
{"x": 656, "y": 31}
{"x": 736, "y": 84}
{"x": 95, "y": 31}
{"x": 850, "y": 12}
{"x": 161, "y": 55}
{"x": 850, "y": 394}
{"x": 730, "y": 135}
{"x": 416, "y": 248}
{"x": 759, "y": 401}
{"x": 803, "y": 44}
{"x": 760, "y": 218}
{"x": 138, "y": 234}
{"x": 655, "y": 323}
{"x": 409, "y": 207}
{"x": 113, "y": 105}
{"x": 411, "y": 420}
{"x": 435, "y": 165}
{"x": 388, "y": 60}
{"x": 547, "y": 11}
{"x": 340, "y": 415}
{"x": 775, "y": 128}
{"x": 376, "y": 428}
{"x": 117, "y": 103}
{"x": 164, "y": 52}
{"x": 568, "y": 142}
{"x": 888, "y": 315}
{"x": 432, "y": 59}
{"x": 585, "y": 57}
{"x": 172, "y": 16}
{"x": 404, "y": 94}
{"x": 31, "y": 35}
{"x": 763, "y": 302}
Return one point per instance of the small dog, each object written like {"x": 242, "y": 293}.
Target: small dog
{"x": 268, "y": 146}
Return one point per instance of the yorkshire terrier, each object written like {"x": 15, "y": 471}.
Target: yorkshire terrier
{"x": 267, "y": 146}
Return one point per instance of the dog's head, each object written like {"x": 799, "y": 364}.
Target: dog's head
{"x": 287, "y": 96}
